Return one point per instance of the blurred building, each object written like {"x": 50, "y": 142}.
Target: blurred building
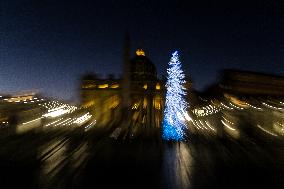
{"x": 251, "y": 83}
{"x": 140, "y": 90}
{"x": 243, "y": 104}
{"x": 19, "y": 108}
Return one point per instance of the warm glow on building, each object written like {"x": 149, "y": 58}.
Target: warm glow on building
{"x": 157, "y": 105}
{"x": 158, "y": 86}
{"x": 103, "y": 86}
{"x": 157, "y": 102}
{"x": 236, "y": 101}
{"x": 19, "y": 98}
{"x": 145, "y": 86}
{"x": 114, "y": 86}
{"x": 142, "y": 92}
{"x": 88, "y": 104}
{"x": 140, "y": 52}
{"x": 145, "y": 103}
{"x": 113, "y": 101}
{"x": 89, "y": 86}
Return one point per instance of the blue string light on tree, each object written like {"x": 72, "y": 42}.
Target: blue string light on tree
{"x": 175, "y": 107}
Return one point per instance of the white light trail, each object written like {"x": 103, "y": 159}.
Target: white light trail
{"x": 268, "y": 132}
{"x": 227, "y": 125}
{"x": 31, "y": 121}
{"x": 208, "y": 124}
{"x": 254, "y": 107}
{"x": 226, "y": 106}
{"x": 273, "y": 107}
{"x": 236, "y": 106}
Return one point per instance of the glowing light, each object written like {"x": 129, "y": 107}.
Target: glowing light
{"x": 31, "y": 121}
{"x": 83, "y": 118}
{"x": 173, "y": 126}
{"x": 145, "y": 86}
{"x": 63, "y": 122}
{"x": 227, "y": 125}
{"x": 88, "y": 104}
{"x": 197, "y": 127}
{"x": 268, "y": 132}
{"x": 89, "y": 126}
{"x": 209, "y": 125}
{"x": 135, "y": 106}
{"x": 236, "y": 106}
{"x": 236, "y": 101}
{"x": 53, "y": 122}
{"x": 55, "y": 113}
{"x": 158, "y": 86}
{"x": 227, "y": 120}
{"x": 187, "y": 117}
{"x": 140, "y": 52}
{"x": 272, "y": 107}
{"x": 226, "y": 106}
{"x": 157, "y": 103}
{"x": 254, "y": 107}
{"x": 279, "y": 128}
{"x": 103, "y": 86}
{"x": 180, "y": 116}
{"x": 114, "y": 86}
{"x": 206, "y": 110}
{"x": 56, "y": 109}
{"x": 198, "y": 124}
{"x": 202, "y": 124}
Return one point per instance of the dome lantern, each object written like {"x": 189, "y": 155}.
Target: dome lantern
{"x": 140, "y": 52}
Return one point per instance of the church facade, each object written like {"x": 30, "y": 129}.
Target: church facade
{"x": 138, "y": 95}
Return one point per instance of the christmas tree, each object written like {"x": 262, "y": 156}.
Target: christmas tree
{"x": 175, "y": 107}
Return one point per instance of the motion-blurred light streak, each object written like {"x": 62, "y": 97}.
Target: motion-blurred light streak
{"x": 31, "y": 121}
{"x": 266, "y": 131}
{"x": 254, "y": 107}
{"x": 228, "y": 126}
{"x": 208, "y": 124}
{"x": 225, "y": 106}
{"x": 236, "y": 106}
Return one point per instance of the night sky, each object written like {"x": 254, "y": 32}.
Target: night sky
{"x": 46, "y": 45}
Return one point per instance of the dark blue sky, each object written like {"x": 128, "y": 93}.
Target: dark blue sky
{"x": 47, "y": 45}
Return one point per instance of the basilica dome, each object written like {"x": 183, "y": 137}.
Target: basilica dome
{"x": 141, "y": 68}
